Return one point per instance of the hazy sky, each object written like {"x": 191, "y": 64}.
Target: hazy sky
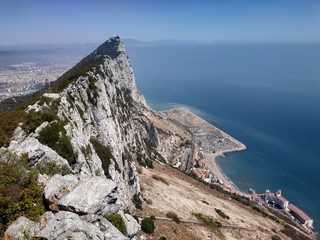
{"x": 71, "y": 21}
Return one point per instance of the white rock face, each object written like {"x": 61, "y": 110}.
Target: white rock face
{"x": 83, "y": 195}
{"x": 103, "y": 105}
{"x": 17, "y": 230}
{"x": 131, "y": 224}
{"x": 36, "y": 151}
{"x": 52, "y": 95}
{"x": 67, "y": 225}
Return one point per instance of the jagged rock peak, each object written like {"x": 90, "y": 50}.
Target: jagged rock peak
{"x": 112, "y": 47}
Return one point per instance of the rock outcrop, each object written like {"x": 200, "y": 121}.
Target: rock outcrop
{"x": 68, "y": 225}
{"x": 82, "y": 195}
{"x": 105, "y": 128}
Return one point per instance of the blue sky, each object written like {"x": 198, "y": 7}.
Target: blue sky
{"x": 70, "y": 21}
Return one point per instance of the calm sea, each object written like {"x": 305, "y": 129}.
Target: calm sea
{"x": 265, "y": 95}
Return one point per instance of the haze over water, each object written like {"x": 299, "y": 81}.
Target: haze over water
{"x": 265, "y": 95}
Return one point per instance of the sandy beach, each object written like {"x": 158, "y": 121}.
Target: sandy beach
{"x": 213, "y": 166}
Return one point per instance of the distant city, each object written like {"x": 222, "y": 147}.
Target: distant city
{"x": 24, "y": 71}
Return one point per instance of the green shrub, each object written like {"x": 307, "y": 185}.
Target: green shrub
{"x": 20, "y": 194}
{"x": 92, "y": 90}
{"x": 147, "y": 225}
{"x": 222, "y": 214}
{"x": 173, "y": 216}
{"x": 118, "y": 222}
{"x": 137, "y": 201}
{"x": 51, "y": 168}
{"x": 35, "y": 119}
{"x": 50, "y": 135}
{"x": 85, "y": 65}
{"x": 8, "y": 123}
{"x": 105, "y": 155}
{"x": 162, "y": 238}
{"x": 65, "y": 149}
{"x": 54, "y": 137}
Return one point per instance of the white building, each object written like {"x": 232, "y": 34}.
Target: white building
{"x": 303, "y": 218}
{"x": 277, "y": 198}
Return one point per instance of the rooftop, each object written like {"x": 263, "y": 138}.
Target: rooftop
{"x": 299, "y": 212}
{"x": 282, "y": 199}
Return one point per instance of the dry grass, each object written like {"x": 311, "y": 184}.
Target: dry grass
{"x": 159, "y": 178}
{"x": 173, "y": 216}
{"x": 184, "y": 196}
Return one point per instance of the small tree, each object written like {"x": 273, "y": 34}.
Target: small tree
{"x": 147, "y": 225}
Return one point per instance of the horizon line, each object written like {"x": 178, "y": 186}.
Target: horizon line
{"x": 186, "y": 41}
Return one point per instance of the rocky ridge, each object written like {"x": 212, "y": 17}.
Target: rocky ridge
{"x": 103, "y": 127}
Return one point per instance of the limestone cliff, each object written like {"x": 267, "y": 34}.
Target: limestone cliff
{"x": 105, "y": 129}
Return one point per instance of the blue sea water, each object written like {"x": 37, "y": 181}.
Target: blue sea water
{"x": 265, "y": 95}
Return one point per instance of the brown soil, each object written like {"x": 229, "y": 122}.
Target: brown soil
{"x": 184, "y": 196}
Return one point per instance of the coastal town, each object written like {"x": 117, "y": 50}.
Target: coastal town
{"x": 25, "y": 78}
{"x": 31, "y": 69}
{"x": 208, "y": 145}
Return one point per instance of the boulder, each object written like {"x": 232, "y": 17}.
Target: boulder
{"x": 36, "y": 151}
{"x": 109, "y": 231}
{"x": 18, "y": 229}
{"x": 132, "y": 225}
{"x": 82, "y": 194}
{"x": 68, "y": 225}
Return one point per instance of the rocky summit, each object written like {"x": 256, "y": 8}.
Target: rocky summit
{"x": 93, "y": 123}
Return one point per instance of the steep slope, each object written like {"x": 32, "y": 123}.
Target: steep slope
{"x": 90, "y": 127}
{"x": 240, "y": 222}
{"x": 94, "y": 123}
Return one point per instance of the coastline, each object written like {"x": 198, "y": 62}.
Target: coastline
{"x": 189, "y": 120}
{"x": 206, "y": 144}
{"x": 215, "y": 168}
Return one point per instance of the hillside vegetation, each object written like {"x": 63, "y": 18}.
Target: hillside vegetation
{"x": 20, "y": 193}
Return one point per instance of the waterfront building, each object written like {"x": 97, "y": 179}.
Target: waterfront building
{"x": 303, "y": 218}
{"x": 277, "y": 198}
